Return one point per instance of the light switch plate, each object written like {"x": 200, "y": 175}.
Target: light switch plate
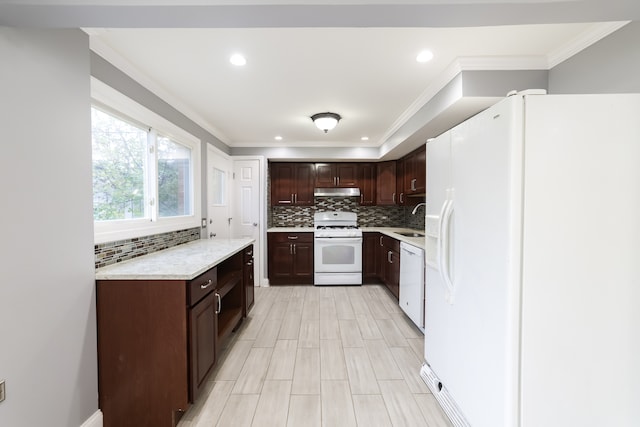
{"x": 2, "y": 392}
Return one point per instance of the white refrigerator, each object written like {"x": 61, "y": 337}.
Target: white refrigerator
{"x": 532, "y": 303}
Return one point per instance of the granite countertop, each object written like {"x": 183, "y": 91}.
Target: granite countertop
{"x": 183, "y": 262}
{"x": 389, "y": 231}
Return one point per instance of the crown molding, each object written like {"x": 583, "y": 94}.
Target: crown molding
{"x": 597, "y": 32}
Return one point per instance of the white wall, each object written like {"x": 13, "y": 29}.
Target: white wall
{"x": 47, "y": 297}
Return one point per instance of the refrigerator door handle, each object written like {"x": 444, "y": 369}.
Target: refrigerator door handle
{"x": 446, "y": 248}
{"x": 443, "y": 210}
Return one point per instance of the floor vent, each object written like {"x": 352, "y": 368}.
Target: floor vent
{"x": 443, "y": 397}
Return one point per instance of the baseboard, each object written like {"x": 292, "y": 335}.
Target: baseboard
{"x": 94, "y": 420}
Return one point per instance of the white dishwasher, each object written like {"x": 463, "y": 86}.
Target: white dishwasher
{"x": 411, "y": 298}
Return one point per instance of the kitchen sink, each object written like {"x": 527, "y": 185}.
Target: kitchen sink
{"x": 412, "y": 234}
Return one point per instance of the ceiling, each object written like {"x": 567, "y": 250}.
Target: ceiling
{"x": 366, "y": 73}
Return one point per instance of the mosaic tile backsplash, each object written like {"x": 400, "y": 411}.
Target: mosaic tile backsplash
{"x": 112, "y": 252}
{"x": 368, "y": 216}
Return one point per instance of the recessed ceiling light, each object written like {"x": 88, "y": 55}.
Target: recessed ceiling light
{"x": 364, "y": 138}
{"x": 278, "y": 138}
{"x": 238, "y": 60}
{"x": 424, "y": 56}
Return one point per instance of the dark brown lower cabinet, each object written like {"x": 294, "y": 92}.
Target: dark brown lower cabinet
{"x": 158, "y": 341}
{"x": 290, "y": 258}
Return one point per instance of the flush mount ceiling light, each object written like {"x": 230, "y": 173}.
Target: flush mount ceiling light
{"x": 326, "y": 121}
{"x": 238, "y": 60}
{"x": 424, "y": 56}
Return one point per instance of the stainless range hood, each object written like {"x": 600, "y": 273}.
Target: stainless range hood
{"x": 337, "y": 192}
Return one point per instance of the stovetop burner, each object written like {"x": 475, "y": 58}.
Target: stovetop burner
{"x": 336, "y": 224}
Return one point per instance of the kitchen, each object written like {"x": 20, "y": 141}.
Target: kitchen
{"x": 45, "y": 355}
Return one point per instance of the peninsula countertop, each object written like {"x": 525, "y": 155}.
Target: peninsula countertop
{"x": 183, "y": 262}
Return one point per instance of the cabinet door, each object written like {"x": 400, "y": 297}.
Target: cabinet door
{"x": 367, "y": 182}
{"x": 203, "y": 328}
{"x": 302, "y": 265}
{"x": 347, "y": 174}
{"x": 304, "y": 184}
{"x": 392, "y": 272}
{"x": 280, "y": 259}
{"x": 283, "y": 180}
{"x": 386, "y": 184}
{"x": 415, "y": 171}
{"x": 401, "y": 195}
{"x": 325, "y": 175}
{"x": 248, "y": 279}
{"x": 370, "y": 257}
{"x": 420, "y": 170}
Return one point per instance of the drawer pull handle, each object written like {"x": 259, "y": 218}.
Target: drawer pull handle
{"x": 292, "y": 237}
{"x": 206, "y": 285}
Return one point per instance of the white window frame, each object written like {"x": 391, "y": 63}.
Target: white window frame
{"x": 109, "y": 231}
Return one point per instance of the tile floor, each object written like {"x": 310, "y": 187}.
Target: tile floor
{"x": 320, "y": 356}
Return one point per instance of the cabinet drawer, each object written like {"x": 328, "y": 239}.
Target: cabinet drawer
{"x": 201, "y": 286}
{"x": 292, "y": 237}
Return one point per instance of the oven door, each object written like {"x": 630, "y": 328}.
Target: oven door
{"x": 338, "y": 254}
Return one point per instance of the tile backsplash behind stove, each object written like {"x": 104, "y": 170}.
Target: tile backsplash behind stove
{"x": 368, "y": 216}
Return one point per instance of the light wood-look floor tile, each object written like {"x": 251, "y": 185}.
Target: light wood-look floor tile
{"x": 273, "y": 405}
{"x": 337, "y": 405}
{"x": 290, "y": 328}
{"x": 239, "y": 410}
{"x": 311, "y": 307}
{"x": 309, "y": 336}
{"x": 431, "y": 410}
{"x": 329, "y": 329}
{"x": 368, "y": 326}
{"x": 332, "y": 363}
{"x": 406, "y": 326}
{"x": 295, "y": 305}
{"x": 231, "y": 363}
{"x": 344, "y": 310}
{"x": 417, "y": 345}
{"x": 304, "y": 411}
{"x": 269, "y": 333}
{"x": 391, "y": 333}
{"x": 371, "y": 411}
{"x": 401, "y": 405}
{"x": 383, "y": 363}
{"x": 283, "y": 360}
{"x": 306, "y": 374}
{"x": 360, "y": 371}
{"x": 350, "y": 333}
{"x": 409, "y": 365}
{"x": 253, "y": 372}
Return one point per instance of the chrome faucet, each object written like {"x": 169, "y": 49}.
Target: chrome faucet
{"x": 413, "y": 212}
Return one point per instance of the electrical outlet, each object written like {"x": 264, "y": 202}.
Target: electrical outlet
{"x": 2, "y": 392}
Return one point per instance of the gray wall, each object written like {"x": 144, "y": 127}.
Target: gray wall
{"x": 611, "y": 65}
{"x": 47, "y": 298}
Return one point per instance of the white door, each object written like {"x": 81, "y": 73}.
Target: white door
{"x": 219, "y": 194}
{"x": 248, "y": 206}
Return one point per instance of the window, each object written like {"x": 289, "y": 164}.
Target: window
{"x": 145, "y": 176}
